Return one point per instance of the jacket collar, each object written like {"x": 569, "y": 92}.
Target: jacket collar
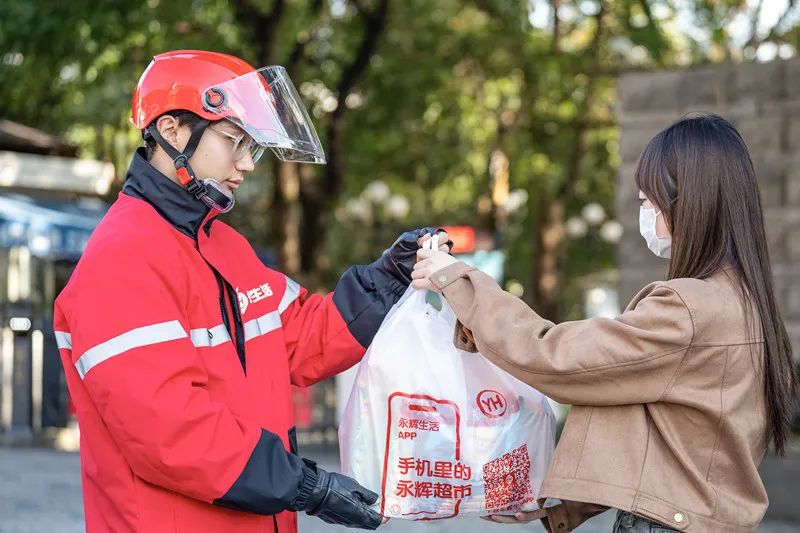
{"x": 181, "y": 209}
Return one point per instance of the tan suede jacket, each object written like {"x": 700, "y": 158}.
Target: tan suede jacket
{"x": 667, "y": 417}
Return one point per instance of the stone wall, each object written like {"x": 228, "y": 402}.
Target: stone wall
{"x": 763, "y": 101}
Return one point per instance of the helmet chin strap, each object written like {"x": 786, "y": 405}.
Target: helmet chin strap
{"x": 208, "y": 191}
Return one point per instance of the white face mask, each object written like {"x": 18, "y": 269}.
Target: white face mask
{"x": 661, "y": 246}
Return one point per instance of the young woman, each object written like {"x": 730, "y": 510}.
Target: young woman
{"x": 675, "y": 401}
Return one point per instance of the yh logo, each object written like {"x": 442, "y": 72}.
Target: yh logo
{"x": 492, "y": 403}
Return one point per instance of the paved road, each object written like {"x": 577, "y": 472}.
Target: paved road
{"x": 40, "y": 492}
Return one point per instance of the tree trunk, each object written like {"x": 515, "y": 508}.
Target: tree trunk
{"x": 285, "y": 216}
{"x": 319, "y": 196}
{"x": 547, "y": 260}
{"x": 549, "y": 233}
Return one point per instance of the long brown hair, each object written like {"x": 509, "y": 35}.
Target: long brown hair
{"x": 699, "y": 173}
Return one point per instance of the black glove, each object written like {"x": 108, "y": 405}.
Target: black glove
{"x": 336, "y": 499}
{"x": 399, "y": 259}
{"x": 366, "y": 293}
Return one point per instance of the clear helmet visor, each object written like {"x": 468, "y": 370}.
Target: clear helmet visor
{"x": 265, "y": 104}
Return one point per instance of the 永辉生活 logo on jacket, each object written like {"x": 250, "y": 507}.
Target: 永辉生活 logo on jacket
{"x": 251, "y": 296}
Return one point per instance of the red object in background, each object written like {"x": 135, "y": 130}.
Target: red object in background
{"x": 463, "y": 238}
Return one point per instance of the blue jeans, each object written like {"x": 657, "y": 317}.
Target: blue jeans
{"x": 630, "y": 523}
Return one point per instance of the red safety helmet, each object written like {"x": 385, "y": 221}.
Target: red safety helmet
{"x": 263, "y": 102}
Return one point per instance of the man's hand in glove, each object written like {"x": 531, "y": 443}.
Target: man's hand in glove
{"x": 399, "y": 259}
{"x": 337, "y": 499}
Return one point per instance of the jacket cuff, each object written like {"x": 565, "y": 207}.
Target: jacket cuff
{"x": 557, "y": 519}
{"x": 444, "y": 277}
{"x": 463, "y": 339}
{"x": 384, "y": 281}
{"x": 269, "y": 482}
{"x": 307, "y": 485}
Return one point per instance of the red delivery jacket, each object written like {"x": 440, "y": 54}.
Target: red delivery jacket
{"x": 179, "y": 348}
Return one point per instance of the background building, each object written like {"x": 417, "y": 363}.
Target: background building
{"x": 49, "y": 205}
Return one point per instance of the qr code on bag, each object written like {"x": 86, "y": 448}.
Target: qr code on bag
{"x": 506, "y": 480}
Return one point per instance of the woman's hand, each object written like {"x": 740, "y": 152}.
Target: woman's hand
{"x": 428, "y": 263}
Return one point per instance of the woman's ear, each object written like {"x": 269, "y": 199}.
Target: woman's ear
{"x": 167, "y": 126}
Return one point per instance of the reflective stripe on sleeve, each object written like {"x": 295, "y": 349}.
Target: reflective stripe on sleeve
{"x": 290, "y": 295}
{"x": 262, "y": 325}
{"x": 63, "y": 340}
{"x": 135, "y": 338}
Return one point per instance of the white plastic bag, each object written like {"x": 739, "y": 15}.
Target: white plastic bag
{"x": 438, "y": 432}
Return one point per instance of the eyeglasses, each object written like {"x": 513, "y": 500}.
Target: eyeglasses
{"x": 243, "y": 144}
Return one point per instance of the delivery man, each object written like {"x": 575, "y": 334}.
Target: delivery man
{"x": 180, "y": 346}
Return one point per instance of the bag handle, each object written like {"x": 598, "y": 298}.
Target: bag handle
{"x": 411, "y": 292}
{"x": 432, "y": 243}
{"x": 445, "y": 311}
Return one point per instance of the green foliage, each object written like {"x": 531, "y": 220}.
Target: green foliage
{"x": 450, "y": 83}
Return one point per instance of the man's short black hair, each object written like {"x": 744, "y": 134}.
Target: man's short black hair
{"x": 185, "y": 118}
